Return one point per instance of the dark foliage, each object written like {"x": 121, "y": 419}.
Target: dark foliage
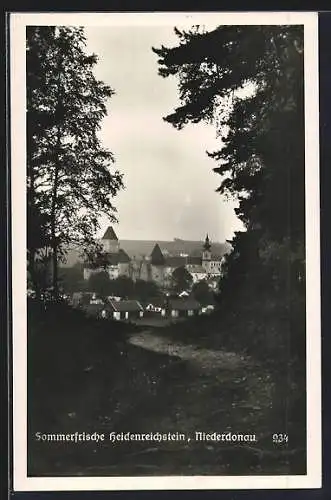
{"x": 202, "y": 293}
{"x": 70, "y": 176}
{"x": 181, "y": 279}
{"x": 146, "y": 290}
{"x": 123, "y": 286}
{"x": 248, "y": 82}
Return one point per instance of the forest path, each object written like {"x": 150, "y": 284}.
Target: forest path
{"x": 205, "y": 359}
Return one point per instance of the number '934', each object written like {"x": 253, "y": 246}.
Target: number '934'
{"x": 280, "y": 438}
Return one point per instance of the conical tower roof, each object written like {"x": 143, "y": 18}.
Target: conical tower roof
{"x": 123, "y": 256}
{"x": 157, "y": 258}
{"x": 110, "y": 234}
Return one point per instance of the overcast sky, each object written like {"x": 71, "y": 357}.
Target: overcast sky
{"x": 169, "y": 182}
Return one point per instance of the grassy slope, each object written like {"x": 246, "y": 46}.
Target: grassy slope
{"x": 272, "y": 334}
{"x": 81, "y": 372}
{"x": 84, "y": 376}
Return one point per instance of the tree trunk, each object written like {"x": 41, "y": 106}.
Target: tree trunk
{"x": 32, "y": 271}
{"x": 53, "y": 233}
{"x": 55, "y": 245}
{"x": 31, "y": 246}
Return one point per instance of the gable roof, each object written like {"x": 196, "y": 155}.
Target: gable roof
{"x": 126, "y": 305}
{"x": 94, "y": 308}
{"x": 123, "y": 256}
{"x": 175, "y": 261}
{"x": 112, "y": 258}
{"x": 110, "y": 234}
{"x": 194, "y": 261}
{"x": 184, "y": 304}
{"x": 157, "y": 257}
{"x": 156, "y": 302}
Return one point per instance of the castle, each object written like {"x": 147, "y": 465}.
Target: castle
{"x": 157, "y": 266}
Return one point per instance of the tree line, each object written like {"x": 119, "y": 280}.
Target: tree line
{"x": 71, "y": 280}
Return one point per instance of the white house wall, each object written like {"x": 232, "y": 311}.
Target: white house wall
{"x": 198, "y": 277}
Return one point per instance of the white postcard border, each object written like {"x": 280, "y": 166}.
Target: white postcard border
{"x": 18, "y": 22}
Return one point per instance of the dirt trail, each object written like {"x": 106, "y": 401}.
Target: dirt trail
{"x": 206, "y": 359}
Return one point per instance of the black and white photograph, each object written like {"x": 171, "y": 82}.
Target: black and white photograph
{"x": 165, "y": 240}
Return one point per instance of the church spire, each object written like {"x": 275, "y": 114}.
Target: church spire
{"x": 207, "y": 245}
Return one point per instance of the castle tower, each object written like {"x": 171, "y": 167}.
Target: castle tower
{"x": 110, "y": 241}
{"x": 157, "y": 262}
{"x": 157, "y": 257}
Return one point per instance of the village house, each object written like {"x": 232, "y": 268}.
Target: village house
{"x": 118, "y": 310}
{"x": 125, "y": 309}
{"x": 156, "y": 305}
{"x": 94, "y": 310}
{"x": 208, "y": 309}
{"x": 81, "y": 298}
{"x": 182, "y": 308}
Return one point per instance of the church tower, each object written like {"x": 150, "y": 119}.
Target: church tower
{"x": 110, "y": 241}
{"x": 206, "y": 255}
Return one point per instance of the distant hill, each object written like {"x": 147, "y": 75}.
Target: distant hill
{"x": 139, "y": 248}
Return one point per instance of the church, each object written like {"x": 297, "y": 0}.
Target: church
{"x": 158, "y": 266}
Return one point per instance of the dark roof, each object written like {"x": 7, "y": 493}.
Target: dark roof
{"x": 184, "y": 304}
{"x": 126, "y": 305}
{"x": 157, "y": 257}
{"x": 94, "y": 308}
{"x": 123, "y": 256}
{"x": 112, "y": 258}
{"x": 157, "y": 302}
{"x": 194, "y": 260}
{"x": 110, "y": 234}
{"x": 175, "y": 261}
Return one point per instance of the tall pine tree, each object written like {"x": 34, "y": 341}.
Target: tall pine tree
{"x": 71, "y": 178}
{"x": 248, "y": 82}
